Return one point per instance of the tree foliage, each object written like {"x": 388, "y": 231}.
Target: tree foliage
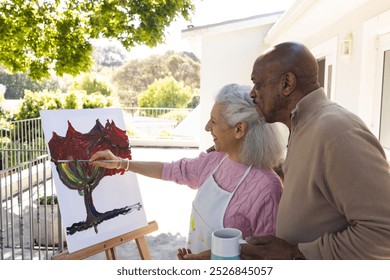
{"x": 39, "y": 35}
{"x": 184, "y": 69}
{"x": 165, "y": 93}
{"x": 4, "y": 115}
{"x": 109, "y": 55}
{"x": 34, "y": 102}
{"x": 92, "y": 85}
{"x": 135, "y": 76}
{"x": 17, "y": 83}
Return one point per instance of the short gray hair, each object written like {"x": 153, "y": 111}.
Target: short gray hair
{"x": 262, "y": 146}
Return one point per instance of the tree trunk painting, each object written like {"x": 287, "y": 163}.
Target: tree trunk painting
{"x": 78, "y": 175}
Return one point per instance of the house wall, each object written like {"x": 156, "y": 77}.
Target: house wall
{"x": 354, "y": 81}
{"x": 227, "y": 57}
{"x": 357, "y": 79}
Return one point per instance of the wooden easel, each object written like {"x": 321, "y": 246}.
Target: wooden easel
{"x": 109, "y": 245}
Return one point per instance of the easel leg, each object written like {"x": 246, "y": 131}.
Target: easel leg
{"x": 111, "y": 254}
{"x": 143, "y": 248}
{"x": 109, "y": 245}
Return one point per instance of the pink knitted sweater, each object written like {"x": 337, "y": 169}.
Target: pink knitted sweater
{"x": 253, "y": 207}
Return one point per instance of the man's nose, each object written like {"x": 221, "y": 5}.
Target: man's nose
{"x": 252, "y": 94}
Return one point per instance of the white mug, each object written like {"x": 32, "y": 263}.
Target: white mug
{"x": 225, "y": 244}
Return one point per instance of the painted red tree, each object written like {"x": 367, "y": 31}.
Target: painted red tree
{"x": 80, "y": 176}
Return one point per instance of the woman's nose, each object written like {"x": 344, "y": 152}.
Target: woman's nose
{"x": 207, "y": 127}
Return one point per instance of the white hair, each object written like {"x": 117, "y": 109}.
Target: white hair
{"x": 262, "y": 145}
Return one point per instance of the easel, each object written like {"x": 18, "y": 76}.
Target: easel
{"x": 109, "y": 245}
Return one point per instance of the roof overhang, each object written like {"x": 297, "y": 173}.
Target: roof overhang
{"x": 307, "y": 17}
{"x": 231, "y": 25}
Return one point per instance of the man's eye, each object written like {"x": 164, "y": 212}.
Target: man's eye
{"x": 258, "y": 86}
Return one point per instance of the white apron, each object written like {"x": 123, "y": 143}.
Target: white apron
{"x": 208, "y": 211}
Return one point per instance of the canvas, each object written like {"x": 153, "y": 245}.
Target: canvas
{"x": 96, "y": 204}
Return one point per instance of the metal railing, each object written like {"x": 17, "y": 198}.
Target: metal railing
{"x": 155, "y": 112}
{"x": 153, "y": 123}
{"x": 20, "y": 142}
{"x": 24, "y": 140}
{"x": 28, "y": 230}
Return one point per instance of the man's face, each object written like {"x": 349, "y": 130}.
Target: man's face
{"x": 266, "y": 92}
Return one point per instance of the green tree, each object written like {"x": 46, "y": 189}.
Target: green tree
{"x": 135, "y": 76}
{"x": 165, "y": 93}
{"x": 96, "y": 100}
{"x": 109, "y": 55}
{"x": 92, "y": 85}
{"x": 4, "y": 115}
{"x": 184, "y": 69}
{"x": 38, "y": 35}
{"x": 5, "y": 141}
{"x": 2, "y": 98}
{"x": 17, "y": 84}
{"x": 34, "y": 102}
{"x": 73, "y": 100}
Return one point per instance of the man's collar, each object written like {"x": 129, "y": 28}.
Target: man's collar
{"x": 307, "y": 104}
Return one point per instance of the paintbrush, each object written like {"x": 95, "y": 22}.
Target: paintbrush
{"x": 86, "y": 160}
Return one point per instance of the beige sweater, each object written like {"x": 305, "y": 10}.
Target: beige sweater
{"x": 336, "y": 199}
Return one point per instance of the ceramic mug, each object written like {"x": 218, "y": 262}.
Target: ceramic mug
{"x": 225, "y": 244}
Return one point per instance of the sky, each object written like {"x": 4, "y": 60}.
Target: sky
{"x": 208, "y": 12}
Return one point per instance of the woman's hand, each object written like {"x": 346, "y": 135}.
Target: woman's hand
{"x": 96, "y": 160}
{"x": 186, "y": 254}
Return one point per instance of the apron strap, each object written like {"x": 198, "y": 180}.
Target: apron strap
{"x": 242, "y": 178}
{"x": 220, "y": 162}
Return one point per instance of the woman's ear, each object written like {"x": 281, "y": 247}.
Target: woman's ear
{"x": 241, "y": 129}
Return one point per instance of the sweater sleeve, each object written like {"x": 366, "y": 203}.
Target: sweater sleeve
{"x": 357, "y": 184}
{"x": 191, "y": 172}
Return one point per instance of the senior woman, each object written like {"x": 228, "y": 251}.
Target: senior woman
{"x": 236, "y": 184}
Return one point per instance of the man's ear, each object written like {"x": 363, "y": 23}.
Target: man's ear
{"x": 289, "y": 83}
{"x": 241, "y": 129}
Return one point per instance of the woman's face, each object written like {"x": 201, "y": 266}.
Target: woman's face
{"x": 224, "y": 136}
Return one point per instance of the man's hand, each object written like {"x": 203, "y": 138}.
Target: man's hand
{"x": 186, "y": 254}
{"x": 267, "y": 248}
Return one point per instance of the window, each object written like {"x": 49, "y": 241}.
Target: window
{"x": 322, "y": 75}
{"x": 384, "y": 132}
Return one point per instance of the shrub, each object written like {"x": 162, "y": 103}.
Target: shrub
{"x": 165, "y": 93}
{"x": 36, "y": 101}
{"x": 96, "y": 100}
{"x": 177, "y": 115}
{"x": 92, "y": 85}
{"x": 50, "y": 199}
{"x": 33, "y": 102}
{"x": 73, "y": 100}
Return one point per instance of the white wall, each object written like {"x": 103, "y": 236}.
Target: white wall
{"x": 354, "y": 76}
{"x": 227, "y": 57}
{"x": 375, "y": 33}
{"x": 356, "y": 79}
